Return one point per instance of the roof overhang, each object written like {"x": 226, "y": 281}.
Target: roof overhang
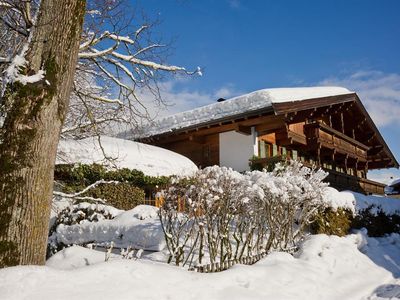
{"x": 386, "y": 158}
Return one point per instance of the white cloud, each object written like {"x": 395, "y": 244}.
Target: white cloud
{"x": 385, "y": 176}
{"x": 181, "y": 99}
{"x": 379, "y": 92}
{"x": 226, "y": 92}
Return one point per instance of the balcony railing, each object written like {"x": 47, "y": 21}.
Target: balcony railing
{"x": 319, "y": 133}
{"x": 338, "y": 180}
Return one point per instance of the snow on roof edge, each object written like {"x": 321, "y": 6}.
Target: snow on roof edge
{"x": 250, "y": 102}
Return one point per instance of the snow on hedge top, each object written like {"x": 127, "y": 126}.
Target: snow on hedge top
{"x": 244, "y": 103}
{"x": 356, "y": 202}
{"x": 151, "y": 160}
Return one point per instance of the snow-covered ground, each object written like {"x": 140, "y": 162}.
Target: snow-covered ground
{"x": 151, "y": 160}
{"x": 324, "y": 268}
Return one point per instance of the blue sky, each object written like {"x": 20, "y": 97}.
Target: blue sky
{"x": 243, "y": 46}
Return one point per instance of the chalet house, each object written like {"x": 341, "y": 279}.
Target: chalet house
{"x": 393, "y": 188}
{"x": 324, "y": 126}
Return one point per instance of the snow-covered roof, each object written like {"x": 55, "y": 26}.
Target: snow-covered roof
{"x": 151, "y": 160}
{"x": 394, "y": 182}
{"x": 235, "y": 106}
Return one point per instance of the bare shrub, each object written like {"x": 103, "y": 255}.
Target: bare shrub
{"x": 293, "y": 194}
{"x": 229, "y": 215}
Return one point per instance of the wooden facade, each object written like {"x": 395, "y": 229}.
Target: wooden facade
{"x": 335, "y": 133}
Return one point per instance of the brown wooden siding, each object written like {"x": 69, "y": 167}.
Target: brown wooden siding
{"x": 342, "y": 182}
{"x": 203, "y": 152}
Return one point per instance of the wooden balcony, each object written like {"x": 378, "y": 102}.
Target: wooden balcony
{"x": 342, "y": 181}
{"x": 319, "y": 134}
{"x": 338, "y": 180}
{"x": 292, "y": 135}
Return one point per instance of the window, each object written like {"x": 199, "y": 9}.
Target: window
{"x": 274, "y": 150}
{"x": 264, "y": 149}
{"x": 294, "y": 154}
{"x": 284, "y": 152}
{"x": 339, "y": 169}
{"x": 261, "y": 149}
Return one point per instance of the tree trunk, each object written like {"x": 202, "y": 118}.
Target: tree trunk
{"x": 35, "y": 113}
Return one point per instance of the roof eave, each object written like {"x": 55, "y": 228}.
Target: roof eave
{"x": 265, "y": 110}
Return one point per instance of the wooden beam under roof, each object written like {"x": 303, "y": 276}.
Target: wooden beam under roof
{"x": 375, "y": 150}
{"x": 270, "y": 121}
{"x": 314, "y": 113}
{"x": 246, "y": 130}
{"x": 379, "y": 137}
{"x": 197, "y": 139}
{"x": 287, "y": 107}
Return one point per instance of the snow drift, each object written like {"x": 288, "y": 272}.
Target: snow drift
{"x": 139, "y": 228}
{"x": 327, "y": 267}
{"x": 151, "y": 160}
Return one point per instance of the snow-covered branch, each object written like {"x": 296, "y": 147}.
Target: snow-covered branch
{"x": 95, "y": 53}
{"x": 119, "y": 61}
{"x": 77, "y": 194}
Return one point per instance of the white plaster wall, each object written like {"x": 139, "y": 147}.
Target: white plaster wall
{"x": 235, "y": 149}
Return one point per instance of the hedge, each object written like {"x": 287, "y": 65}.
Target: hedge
{"x": 378, "y": 224}
{"x": 128, "y": 193}
{"x": 341, "y": 221}
{"x": 122, "y": 195}
{"x": 76, "y": 177}
{"x": 332, "y": 222}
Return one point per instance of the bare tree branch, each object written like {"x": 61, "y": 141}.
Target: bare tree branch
{"x": 119, "y": 60}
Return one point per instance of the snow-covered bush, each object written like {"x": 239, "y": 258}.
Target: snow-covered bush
{"x": 220, "y": 218}
{"x": 138, "y": 228}
{"x": 293, "y": 194}
{"x": 348, "y": 210}
{"x": 332, "y": 221}
{"x": 78, "y": 214}
{"x": 228, "y": 215}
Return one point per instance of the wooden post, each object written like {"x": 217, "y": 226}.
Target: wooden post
{"x": 333, "y": 160}
{"x": 342, "y": 121}
{"x": 356, "y": 167}
{"x": 319, "y": 155}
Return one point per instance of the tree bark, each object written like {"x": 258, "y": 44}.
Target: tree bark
{"x": 31, "y": 130}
